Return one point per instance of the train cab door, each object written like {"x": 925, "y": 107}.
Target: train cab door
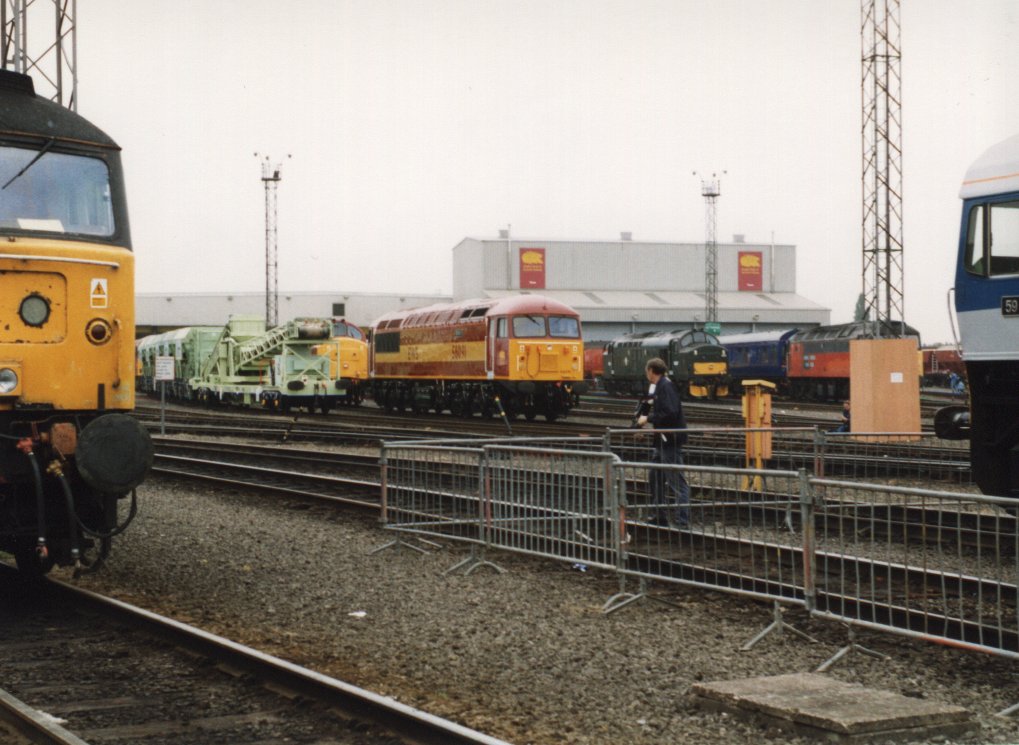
{"x": 497, "y": 357}
{"x": 490, "y": 348}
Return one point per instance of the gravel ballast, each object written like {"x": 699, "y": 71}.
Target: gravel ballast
{"x": 526, "y": 656}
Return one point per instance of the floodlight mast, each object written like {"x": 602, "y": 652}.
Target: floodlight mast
{"x": 711, "y": 189}
{"x": 270, "y": 180}
{"x": 882, "y": 166}
{"x": 52, "y": 61}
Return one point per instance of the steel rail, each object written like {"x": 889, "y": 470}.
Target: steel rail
{"x": 38, "y": 727}
{"x": 415, "y": 725}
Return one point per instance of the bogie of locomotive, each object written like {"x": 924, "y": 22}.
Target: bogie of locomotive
{"x": 68, "y": 451}
{"x": 517, "y": 355}
{"x": 697, "y": 363}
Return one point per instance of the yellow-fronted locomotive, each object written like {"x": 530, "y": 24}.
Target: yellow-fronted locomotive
{"x": 522, "y": 353}
{"x": 68, "y": 452}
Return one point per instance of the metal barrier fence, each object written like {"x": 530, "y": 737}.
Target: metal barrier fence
{"x": 553, "y": 503}
{"x": 740, "y": 530}
{"x": 432, "y": 490}
{"x": 934, "y": 565}
{"x": 916, "y": 456}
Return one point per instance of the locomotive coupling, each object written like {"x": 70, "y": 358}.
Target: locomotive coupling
{"x": 114, "y": 453}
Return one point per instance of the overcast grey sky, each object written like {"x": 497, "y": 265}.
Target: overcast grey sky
{"x": 414, "y": 124}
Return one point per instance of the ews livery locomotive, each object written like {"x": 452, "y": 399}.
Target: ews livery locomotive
{"x": 523, "y": 354}
{"x": 68, "y": 453}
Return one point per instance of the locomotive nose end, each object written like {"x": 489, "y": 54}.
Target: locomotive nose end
{"x": 114, "y": 453}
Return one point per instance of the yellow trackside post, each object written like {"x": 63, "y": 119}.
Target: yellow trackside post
{"x": 757, "y": 417}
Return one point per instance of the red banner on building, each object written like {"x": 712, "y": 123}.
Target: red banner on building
{"x": 532, "y": 268}
{"x": 750, "y": 266}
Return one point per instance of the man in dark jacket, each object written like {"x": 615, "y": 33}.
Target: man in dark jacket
{"x": 667, "y": 485}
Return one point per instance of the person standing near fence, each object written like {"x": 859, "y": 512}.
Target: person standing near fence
{"x": 668, "y": 487}
{"x": 844, "y": 423}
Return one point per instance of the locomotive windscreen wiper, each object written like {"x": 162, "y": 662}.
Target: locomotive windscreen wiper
{"x": 45, "y": 149}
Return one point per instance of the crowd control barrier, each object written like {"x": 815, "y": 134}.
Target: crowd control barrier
{"x": 934, "y": 565}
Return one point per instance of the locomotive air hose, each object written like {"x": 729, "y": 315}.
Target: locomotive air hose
{"x": 118, "y": 529}
{"x": 40, "y": 502}
{"x": 72, "y": 516}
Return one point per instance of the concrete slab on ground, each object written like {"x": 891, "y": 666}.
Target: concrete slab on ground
{"x": 817, "y": 705}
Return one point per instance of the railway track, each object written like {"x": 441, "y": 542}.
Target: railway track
{"x": 353, "y": 479}
{"x": 311, "y": 474}
{"x": 856, "y": 562}
{"x": 114, "y": 673}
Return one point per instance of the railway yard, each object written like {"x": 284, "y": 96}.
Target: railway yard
{"x": 603, "y": 491}
{"x": 263, "y": 530}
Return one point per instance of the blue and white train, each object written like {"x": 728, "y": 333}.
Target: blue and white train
{"x": 987, "y": 306}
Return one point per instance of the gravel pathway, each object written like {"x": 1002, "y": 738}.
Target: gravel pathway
{"x": 526, "y": 656}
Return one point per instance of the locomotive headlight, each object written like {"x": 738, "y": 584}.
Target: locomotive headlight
{"x": 98, "y": 331}
{"x": 34, "y": 310}
{"x": 8, "y": 380}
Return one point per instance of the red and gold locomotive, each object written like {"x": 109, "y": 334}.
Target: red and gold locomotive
{"x": 522, "y": 353}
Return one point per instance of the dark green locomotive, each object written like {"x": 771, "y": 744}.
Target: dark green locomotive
{"x": 696, "y": 361}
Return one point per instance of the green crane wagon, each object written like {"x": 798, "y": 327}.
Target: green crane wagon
{"x": 277, "y": 369}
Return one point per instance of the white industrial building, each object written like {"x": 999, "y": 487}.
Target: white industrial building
{"x": 626, "y": 285}
{"x": 616, "y": 286}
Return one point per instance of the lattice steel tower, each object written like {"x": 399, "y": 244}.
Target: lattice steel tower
{"x": 270, "y": 179}
{"x": 711, "y": 189}
{"x": 882, "y": 165}
{"x": 50, "y": 55}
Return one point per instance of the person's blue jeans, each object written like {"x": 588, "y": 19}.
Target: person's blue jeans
{"x": 668, "y": 486}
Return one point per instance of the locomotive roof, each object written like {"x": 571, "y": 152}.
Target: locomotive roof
{"x": 854, "y": 330}
{"x": 994, "y": 172}
{"x": 659, "y": 338}
{"x": 756, "y": 336}
{"x": 476, "y": 307}
{"x": 22, "y": 113}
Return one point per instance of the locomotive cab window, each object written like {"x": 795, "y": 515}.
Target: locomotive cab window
{"x": 992, "y": 239}
{"x": 502, "y": 328}
{"x": 1003, "y": 235}
{"x": 563, "y": 327}
{"x": 53, "y": 192}
{"x": 528, "y": 327}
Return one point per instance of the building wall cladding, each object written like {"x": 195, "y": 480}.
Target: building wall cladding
{"x": 616, "y": 265}
{"x": 167, "y": 310}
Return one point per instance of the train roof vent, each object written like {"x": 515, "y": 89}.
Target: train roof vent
{"x": 14, "y": 81}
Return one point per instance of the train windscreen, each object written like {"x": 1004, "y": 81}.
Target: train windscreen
{"x": 54, "y": 192}
{"x": 563, "y": 327}
{"x": 528, "y": 327}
